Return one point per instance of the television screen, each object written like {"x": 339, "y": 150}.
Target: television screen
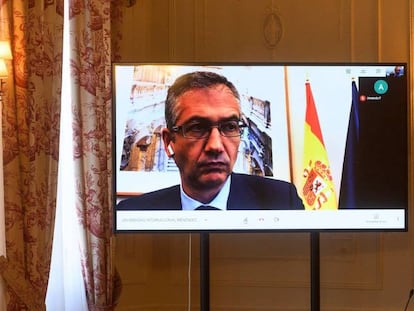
{"x": 303, "y": 147}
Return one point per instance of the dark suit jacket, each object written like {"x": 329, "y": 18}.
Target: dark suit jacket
{"x": 246, "y": 193}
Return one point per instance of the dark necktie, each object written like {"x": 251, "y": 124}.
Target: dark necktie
{"x": 206, "y": 208}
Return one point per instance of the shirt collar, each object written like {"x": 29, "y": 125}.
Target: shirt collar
{"x": 220, "y": 200}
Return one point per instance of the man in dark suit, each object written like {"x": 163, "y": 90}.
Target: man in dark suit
{"x": 203, "y": 113}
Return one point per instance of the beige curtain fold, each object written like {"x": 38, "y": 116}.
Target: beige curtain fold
{"x": 90, "y": 59}
{"x": 31, "y": 116}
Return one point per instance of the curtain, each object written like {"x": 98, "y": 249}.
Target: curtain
{"x": 30, "y": 128}
{"x": 4, "y": 35}
{"x": 90, "y": 62}
{"x": 66, "y": 290}
{"x": 2, "y": 226}
{"x": 30, "y": 133}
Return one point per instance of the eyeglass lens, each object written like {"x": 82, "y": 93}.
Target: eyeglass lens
{"x": 202, "y": 129}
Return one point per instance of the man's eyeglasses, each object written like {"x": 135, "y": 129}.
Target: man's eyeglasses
{"x": 198, "y": 130}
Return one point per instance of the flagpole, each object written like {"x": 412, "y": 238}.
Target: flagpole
{"x": 289, "y": 134}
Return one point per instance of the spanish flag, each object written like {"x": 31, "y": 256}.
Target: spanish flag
{"x": 318, "y": 192}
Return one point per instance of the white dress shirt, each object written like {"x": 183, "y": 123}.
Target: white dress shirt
{"x": 219, "y": 201}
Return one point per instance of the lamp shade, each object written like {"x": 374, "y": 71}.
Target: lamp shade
{"x": 3, "y": 69}
{"x": 5, "y": 51}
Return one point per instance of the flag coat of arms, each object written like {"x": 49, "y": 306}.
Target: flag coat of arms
{"x": 318, "y": 192}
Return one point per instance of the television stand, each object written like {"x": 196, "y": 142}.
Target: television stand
{"x": 204, "y": 271}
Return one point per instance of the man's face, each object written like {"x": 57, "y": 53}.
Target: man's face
{"x": 205, "y": 163}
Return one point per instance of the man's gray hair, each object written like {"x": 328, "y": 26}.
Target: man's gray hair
{"x": 189, "y": 81}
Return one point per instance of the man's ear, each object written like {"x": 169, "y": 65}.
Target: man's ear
{"x": 167, "y": 138}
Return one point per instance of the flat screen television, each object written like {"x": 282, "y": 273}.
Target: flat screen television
{"x": 337, "y": 132}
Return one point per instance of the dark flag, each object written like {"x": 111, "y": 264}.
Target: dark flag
{"x": 347, "y": 196}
